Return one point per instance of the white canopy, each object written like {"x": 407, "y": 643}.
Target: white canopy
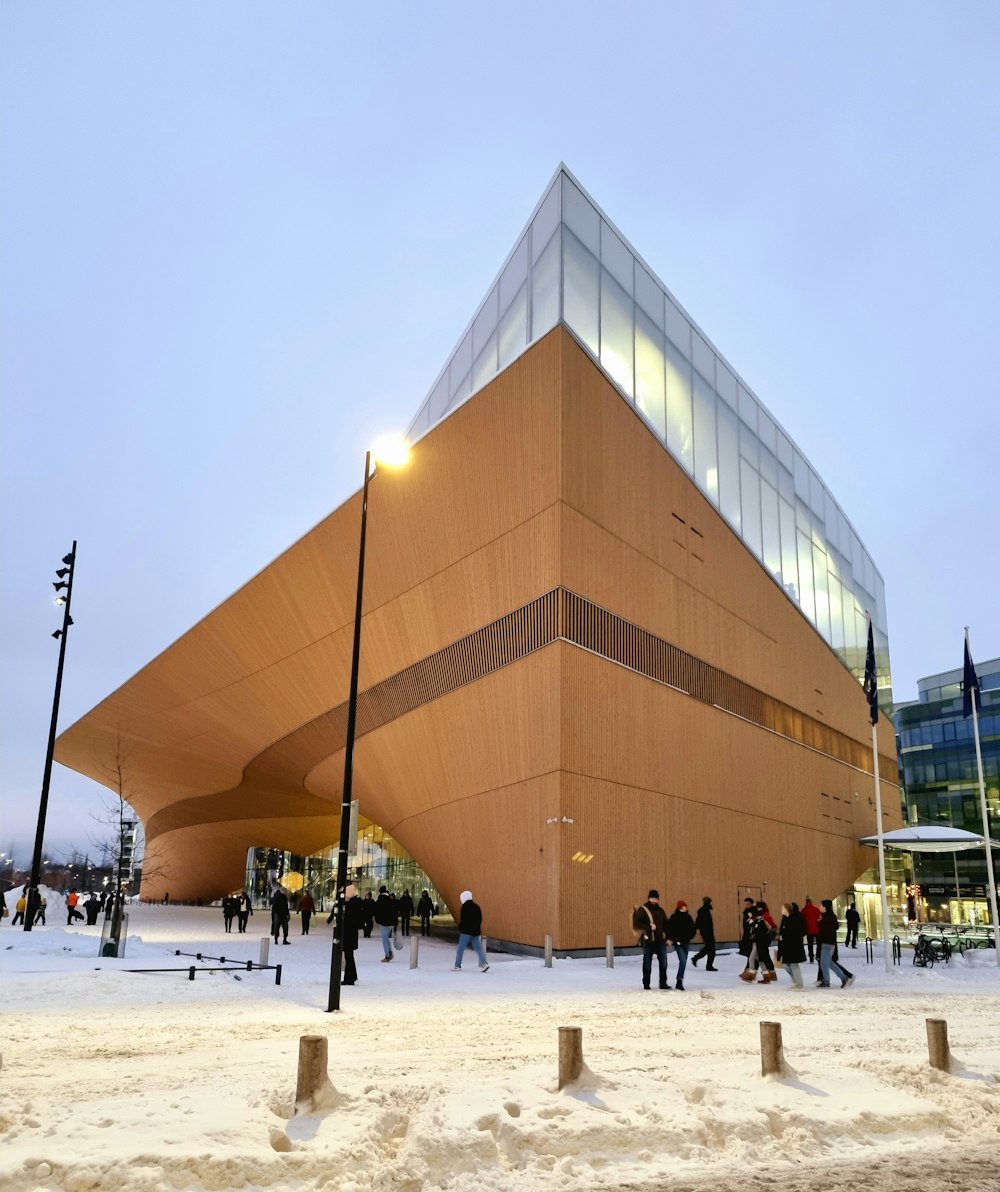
{"x": 929, "y": 838}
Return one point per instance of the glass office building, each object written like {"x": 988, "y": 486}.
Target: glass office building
{"x": 937, "y": 761}
{"x": 571, "y": 265}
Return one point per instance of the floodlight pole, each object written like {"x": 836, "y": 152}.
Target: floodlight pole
{"x": 987, "y": 839}
{"x": 36, "y": 858}
{"x": 336, "y": 958}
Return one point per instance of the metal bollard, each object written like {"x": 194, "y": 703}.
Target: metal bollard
{"x": 265, "y": 944}
{"x": 548, "y": 954}
{"x": 937, "y": 1044}
{"x": 191, "y": 973}
{"x": 414, "y": 951}
{"x": 897, "y": 950}
{"x": 869, "y": 950}
{"x": 609, "y": 947}
{"x": 312, "y": 1074}
{"x": 772, "y": 1055}
{"x": 277, "y": 974}
{"x": 570, "y": 1054}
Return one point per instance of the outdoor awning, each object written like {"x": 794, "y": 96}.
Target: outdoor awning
{"x": 929, "y": 838}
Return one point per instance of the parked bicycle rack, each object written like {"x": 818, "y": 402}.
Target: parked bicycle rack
{"x": 897, "y": 950}
{"x": 869, "y": 950}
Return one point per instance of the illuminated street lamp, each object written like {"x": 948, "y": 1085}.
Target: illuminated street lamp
{"x": 64, "y": 594}
{"x": 395, "y": 455}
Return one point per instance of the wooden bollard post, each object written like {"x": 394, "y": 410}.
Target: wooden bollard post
{"x": 609, "y": 947}
{"x": 265, "y": 943}
{"x": 312, "y": 1076}
{"x": 937, "y": 1044}
{"x": 548, "y": 953}
{"x": 772, "y": 1055}
{"x": 570, "y": 1054}
{"x": 414, "y": 951}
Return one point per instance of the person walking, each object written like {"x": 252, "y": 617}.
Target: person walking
{"x": 307, "y": 905}
{"x": 354, "y": 918}
{"x": 704, "y": 926}
{"x": 651, "y": 920}
{"x": 828, "y": 925}
{"x": 747, "y": 917}
{"x": 20, "y": 907}
{"x": 93, "y": 908}
{"x": 791, "y": 950}
{"x": 425, "y": 908}
{"x": 244, "y": 909}
{"x": 384, "y": 914}
{"x": 811, "y": 913}
{"x": 228, "y": 911}
{"x": 763, "y": 934}
{"x": 680, "y": 929}
{"x": 853, "y": 921}
{"x": 280, "y": 914}
{"x": 405, "y": 912}
{"x": 470, "y": 931}
{"x": 368, "y": 910}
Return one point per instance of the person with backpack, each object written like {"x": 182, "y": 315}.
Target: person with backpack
{"x": 649, "y": 922}
{"x": 704, "y": 926}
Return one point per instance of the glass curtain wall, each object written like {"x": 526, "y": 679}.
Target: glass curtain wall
{"x": 571, "y": 265}
{"x": 379, "y": 860}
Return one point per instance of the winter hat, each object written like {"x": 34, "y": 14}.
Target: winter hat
{"x": 828, "y": 903}
{"x": 465, "y": 896}
{"x": 682, "y": 905}
{"x": 653, "y": 894}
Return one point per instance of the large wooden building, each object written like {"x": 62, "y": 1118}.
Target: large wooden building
{"x": 612, "y": 635}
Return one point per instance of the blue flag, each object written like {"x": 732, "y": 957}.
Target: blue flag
{"x": 871, "y": 677}
{"x": 970, "y": 683}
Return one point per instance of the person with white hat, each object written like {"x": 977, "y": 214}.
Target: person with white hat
{"x": 470, "y": 931}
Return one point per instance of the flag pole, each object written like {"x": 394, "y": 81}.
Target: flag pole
{"x": 871, "y": 690}
{"x": 991, "y": 879}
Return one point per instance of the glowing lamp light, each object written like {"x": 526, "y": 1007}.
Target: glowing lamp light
{"x": 392, "y": 452}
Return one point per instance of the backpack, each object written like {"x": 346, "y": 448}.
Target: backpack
{"x": 642, "y": 923}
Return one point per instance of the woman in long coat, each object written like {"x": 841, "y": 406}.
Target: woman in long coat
{"x": 791, "y": 942}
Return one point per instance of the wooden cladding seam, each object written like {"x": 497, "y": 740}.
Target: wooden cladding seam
{"x": 561, "y": 615}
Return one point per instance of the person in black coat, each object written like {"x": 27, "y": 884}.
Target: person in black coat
{"x": 470, "y": 931}
{"x": 405, "y": 912}
{"x": 791, "y": 949}
{"x": 853, "y": 921}
{"x": 244, "y": 909}
{"x": 280, "y": 914}
{"x": 828, "y": 925}
{"x": 748, "y": 916}
{"x": 228, "y": 911}
{"x": 385, "y": 917}
{"x": 651, "y": 920}
{"x": 680, "y": 929}
{"x": 705, "y": 927}
{"x": 368, "y": 913}
{"x": 354, "y": 919}
{"x": 425, "y": 908}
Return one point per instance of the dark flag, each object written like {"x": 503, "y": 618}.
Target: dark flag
{"x": 871, "y": 677}
{"x": 970, "y": 683}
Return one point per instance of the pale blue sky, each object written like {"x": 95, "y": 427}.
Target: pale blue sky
{"x": 238, "y": 240}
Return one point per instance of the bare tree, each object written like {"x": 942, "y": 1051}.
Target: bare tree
{"x": 120, "y": 843}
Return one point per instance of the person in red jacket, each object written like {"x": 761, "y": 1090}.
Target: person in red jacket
{"x": 811, "y": 913}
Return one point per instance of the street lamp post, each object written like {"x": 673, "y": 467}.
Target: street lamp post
{"x": 333, "y": 1003}
{"x": 64, "y": 594}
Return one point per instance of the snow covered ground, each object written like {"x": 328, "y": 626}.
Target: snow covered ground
{"x": 119, "y": 1080}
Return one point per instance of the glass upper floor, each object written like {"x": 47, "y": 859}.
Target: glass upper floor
{"x": 572, "y": 266}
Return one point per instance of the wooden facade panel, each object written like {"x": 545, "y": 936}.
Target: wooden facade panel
{"x": 629, "y": 544}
